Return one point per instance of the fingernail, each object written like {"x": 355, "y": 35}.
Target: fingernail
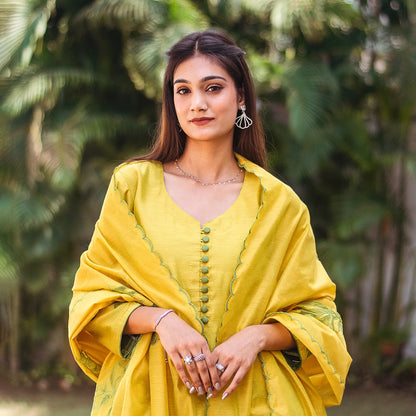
{"x": 200, "y": 391}
{"x": 192, "y": 390}
{"x": 209, "y": 396}
{"x": 217, "y": 386}
{"x": 188, "y": 384}
{"x": 225, "y": 395}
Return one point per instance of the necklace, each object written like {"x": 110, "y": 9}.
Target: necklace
{"x": 206, "y": 183}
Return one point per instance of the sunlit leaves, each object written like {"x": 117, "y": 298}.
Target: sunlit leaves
{"x": 22, "y": 25}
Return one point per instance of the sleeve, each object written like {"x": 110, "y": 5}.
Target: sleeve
{"x": 106, "y": 288}
{"x": 108, "y": 325}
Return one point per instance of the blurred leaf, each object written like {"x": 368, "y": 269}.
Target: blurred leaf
{"x": 22, "y": 24}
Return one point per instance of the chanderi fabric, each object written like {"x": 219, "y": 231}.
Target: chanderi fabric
{"x": 277, "y": 277}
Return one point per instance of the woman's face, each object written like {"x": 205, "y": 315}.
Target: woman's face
{"x": 206, "y": 99}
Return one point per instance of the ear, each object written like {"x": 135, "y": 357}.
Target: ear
{"x": 241, "y": 97}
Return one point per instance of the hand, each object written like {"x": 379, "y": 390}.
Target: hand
{"x": 237, "y": 355}
{"x": 181, "y": 340}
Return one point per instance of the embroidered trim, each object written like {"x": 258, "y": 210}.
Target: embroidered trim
{"x": 144, "y": 237}
{"x": 89, "y": 363}
{"x": 266, "y": 378}
{"x": 241, "y": 165}
{"x": 316, "y": 342}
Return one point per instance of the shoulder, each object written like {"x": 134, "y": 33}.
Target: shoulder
{"x": 274, "y": 188}
{"x": 131, "y": 174}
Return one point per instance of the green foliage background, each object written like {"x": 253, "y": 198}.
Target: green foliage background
{"x": 80, "y": 90}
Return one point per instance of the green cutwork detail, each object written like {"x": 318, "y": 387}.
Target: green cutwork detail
{"x": 105, "y": 393}
{"x": 266, "y": 378}
{"x": 316, "y": 342}
{"x": 322, "y": 313}
{"x": 86, "y": 361}
{"x": 243, "y": 247}
{"x": 144, "y": 237}
{"x": 125, "y": 291}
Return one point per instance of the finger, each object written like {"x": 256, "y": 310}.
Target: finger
{"x": 214, "y": 377}
{"x": 204, "y": 375}
{"x": 194, "y": 375}
{"x": 177, "y": 362}
{"x": 238, "y": 377}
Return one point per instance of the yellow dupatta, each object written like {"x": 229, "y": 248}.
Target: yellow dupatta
{"x": 278, "y": 278}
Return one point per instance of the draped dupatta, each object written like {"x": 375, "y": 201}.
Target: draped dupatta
{"x": 278, "y": 278}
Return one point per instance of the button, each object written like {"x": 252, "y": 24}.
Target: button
{"x": 204, "y": 319}
{"x": 204, "y": 259}
{"x": 204, "y": 269}
{"x": 206, "y": 230}
{"x": 205, "y": 298}
{"x": 204, "y": 289}
{"x": 204, "y": 279}
{"x": 205, "y": 239}
{"x": 205, "y": 248}
{"x": 204, "y": 308}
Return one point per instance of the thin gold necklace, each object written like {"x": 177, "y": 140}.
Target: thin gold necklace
{"x": 206, "y": 183}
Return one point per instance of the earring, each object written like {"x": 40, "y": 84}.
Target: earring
{"x": 243, "y": 121}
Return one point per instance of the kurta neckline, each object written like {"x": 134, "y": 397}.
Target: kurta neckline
{"x": 229, "y": 210}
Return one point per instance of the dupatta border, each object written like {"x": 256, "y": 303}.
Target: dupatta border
{"x": 149, "y": 243}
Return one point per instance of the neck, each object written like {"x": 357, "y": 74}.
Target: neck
{"x": 209, "y": 163}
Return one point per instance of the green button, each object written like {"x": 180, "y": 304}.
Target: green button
{"x": 204, "y": 289}
{"x": 204, "y": 319}
{"x": 204, "y": 309}
{"x": 205, "y": 298}
{"x": 204, "y": 279}
{"x": 205, "y": 248}
{"x": 205, "y": 239}
{"x": 204, "y": 269}
{"x": 204, "y": 259}
{"x": 206, "y": 230}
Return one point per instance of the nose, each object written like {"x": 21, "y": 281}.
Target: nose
{"x": 198, "y": 102}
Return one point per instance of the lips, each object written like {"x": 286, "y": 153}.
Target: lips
{"x": 201, "y": 121}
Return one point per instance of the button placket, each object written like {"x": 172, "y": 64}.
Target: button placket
{"x": 204, "y": 273}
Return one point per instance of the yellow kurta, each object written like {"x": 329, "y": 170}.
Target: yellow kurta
{"x": 254, "y": 263}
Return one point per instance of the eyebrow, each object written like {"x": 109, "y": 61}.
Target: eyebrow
{"x": 205, "y": 79}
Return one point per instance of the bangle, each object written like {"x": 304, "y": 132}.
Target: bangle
{"x": 162, "y": 316}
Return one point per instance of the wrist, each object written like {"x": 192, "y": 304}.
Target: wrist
{"x": 161, "y": 317}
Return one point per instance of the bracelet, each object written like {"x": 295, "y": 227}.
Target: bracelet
{"x": 162, "y": 316}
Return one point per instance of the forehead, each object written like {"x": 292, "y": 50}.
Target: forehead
{"x": 198, "y": 67}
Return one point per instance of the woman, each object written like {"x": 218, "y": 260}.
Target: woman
{"x": 201, "y": 292}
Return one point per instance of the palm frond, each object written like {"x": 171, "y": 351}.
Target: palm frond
{"x": 313, "y": 18}
{"x": 20, "y": 210}
{"x": 125, "y": 14}
{"x": 63, "y": 144}
{"x": 22, "y": 24}
{"x": 357, "y": 213}
{"x": 35, "y": 86}
{"x": 312, "y": 91}
{"x": 9, "y": 270}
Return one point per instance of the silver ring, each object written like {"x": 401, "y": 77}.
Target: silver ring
{"x": 188, "y": 360}
{"x": 220, "y": 367}
{"x": 199, "y": 357}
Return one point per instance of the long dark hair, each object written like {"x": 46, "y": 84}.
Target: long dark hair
{"x": 169, "y": 141}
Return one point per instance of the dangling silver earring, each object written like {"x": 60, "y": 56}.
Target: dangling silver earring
{"x": 243, "y": 121}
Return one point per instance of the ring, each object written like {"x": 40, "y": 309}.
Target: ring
{"x": 220, "y": 367}
{"x": 199, "y": 357}
{"x": 188, "y": 360}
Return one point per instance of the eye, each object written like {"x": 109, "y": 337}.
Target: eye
{"x": 182, "y": 90}
{"x": 214, "y": 88}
